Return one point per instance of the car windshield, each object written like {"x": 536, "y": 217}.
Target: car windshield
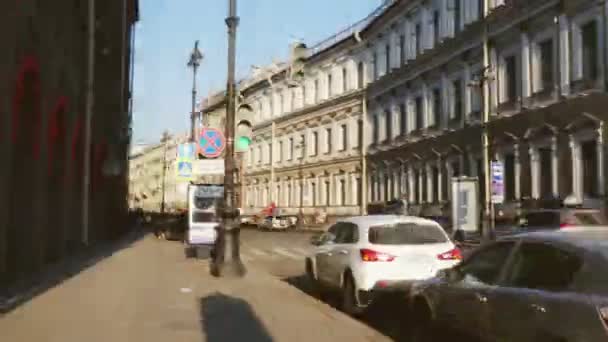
{"x": 406, "y": 234}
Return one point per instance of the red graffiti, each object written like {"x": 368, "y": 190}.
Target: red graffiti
{"x": 27, "y": 83}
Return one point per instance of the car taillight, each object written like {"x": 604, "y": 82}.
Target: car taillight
{"x": 373, "y": 256}
{"x": 565, "y": 225}
{"x": 453, "y": 254}
{"x": 604, "y": 315}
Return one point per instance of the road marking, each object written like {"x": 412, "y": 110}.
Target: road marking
{"x": 302, "y": 251}
{"x": 286, "y": 253}
{"x": 258, "y": 252}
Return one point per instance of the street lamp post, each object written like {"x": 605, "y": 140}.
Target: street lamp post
{"x": 195, "y": 61}
{"x": 227, "y": 261}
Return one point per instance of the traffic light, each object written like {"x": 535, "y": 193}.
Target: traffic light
{"x": 299, "y": 53}
{"x": 244, "y": 128}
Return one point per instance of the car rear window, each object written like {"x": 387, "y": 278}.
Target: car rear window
{"x": 406, "y": 234}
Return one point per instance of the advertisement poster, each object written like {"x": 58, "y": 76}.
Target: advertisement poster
{"x": 465, "y": 204}
{"x": 498, "y": 182}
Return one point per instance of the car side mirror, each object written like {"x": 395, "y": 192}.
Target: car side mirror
{"x": 459, "y": 236}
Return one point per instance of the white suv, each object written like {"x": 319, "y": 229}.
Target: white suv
{"x": 364, "y": 255}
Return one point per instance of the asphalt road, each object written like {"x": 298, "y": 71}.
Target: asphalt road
{"x": 282, "y": 255}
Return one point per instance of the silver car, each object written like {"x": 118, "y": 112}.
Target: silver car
{"x": 539, "y": 286}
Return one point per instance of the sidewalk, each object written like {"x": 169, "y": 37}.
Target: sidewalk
{"x": 150, "y": 292}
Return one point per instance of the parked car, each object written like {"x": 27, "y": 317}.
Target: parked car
{"x": 562, "y": 218}
{"x": 366, "y": 255}
{"x": 277, "y": 223}
{"x": 540, "y": 286}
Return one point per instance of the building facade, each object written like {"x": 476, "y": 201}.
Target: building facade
{"x": 63, "y": 187}
{"x": 547, "y": 90}
{"x": 153, "y": 185}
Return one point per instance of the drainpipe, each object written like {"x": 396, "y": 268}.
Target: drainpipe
{"x": 488, "y": 222}
{"x": 90, "y": 98}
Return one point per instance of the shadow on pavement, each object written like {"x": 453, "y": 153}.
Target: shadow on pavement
{"x": 53, "y": 275}
{"x": 388, "y": 315}
{"x": 229, "y": 319}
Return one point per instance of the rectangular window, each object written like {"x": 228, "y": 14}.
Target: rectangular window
{"x": 546, "y": 64}
{"x": 330, "y": 85}
{"x": 359, "y": 193}
{"x": 313, "y": 193}
{"x": 456, "y": 100}
{"x": 375, "y": 129}
{"x": 327, "y": 193}
{"x": 418, "y": 35}
{"x": 342, "y": 192}
{"x": 437, "y": 107}
{"x": 303, "y": 142}
{"x": 259, "y": 154}
{"x": 343, "y": 137}
{"x": 546, "y": 180}
{"x": 388, "y": 58}
{"x": 316, "y": 91}
{"x": 281, "y": 99}
{"x": 315, "y": 143}
{"x": 419, "y": 113}
{"x": 510, "y": 83}
{"x": 375, "y": 65}
{"x": 436, "y": 32}
{"x": 402, "y": 49}
{"x": 329, "y": 140}
{"x": 389, "y": 124}
{"x": 344, "y": 80}
{"x": 280, "y": 154}
{"x": 435, "y": 181}
{"x": 360, "y": 133}
{"x": 360, "y": 75}
{"x": 293, "y": 99}
{"x": 290, "y": 149}
{"x": 590, "y": 51}
{"x": 457, "y": 19}
{"x": 402, "y": 119}
{"x": 476, "y": 99}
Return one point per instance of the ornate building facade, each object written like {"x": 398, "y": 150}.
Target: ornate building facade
{"x": 547, "y": 82}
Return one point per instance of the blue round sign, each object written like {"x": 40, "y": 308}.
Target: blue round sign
{"x": 211, "y": 143}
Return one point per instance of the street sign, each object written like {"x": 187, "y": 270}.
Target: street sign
{"x": 185, "y": 151}
{"x": 498, "y": 182}
{"x": 211, "y": 143}
{"x": 183, "y": 169}
{"x": 204, "y": 167}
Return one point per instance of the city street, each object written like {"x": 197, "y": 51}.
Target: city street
{"x": 149, "y": 291}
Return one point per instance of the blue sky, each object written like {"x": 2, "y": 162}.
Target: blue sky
{"x": 167, "y": 31}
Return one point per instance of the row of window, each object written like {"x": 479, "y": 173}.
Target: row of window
{"x": 315, "y": 194}
{"x": 286, "y": 148}
{"x": 428, "y": 110}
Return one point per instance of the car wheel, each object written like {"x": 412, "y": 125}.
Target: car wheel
{"x": 349, "y": 299}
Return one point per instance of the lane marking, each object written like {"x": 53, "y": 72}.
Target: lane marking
{"x": 303, "y": 251}
{"x": 286, "y": 253}
{"x": 258, "y": 252}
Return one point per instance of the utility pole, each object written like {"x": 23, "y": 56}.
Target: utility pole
{"x": 227, "y": 261}
{"x": 488, "y": 222}
{"x": 195, "y": 61}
